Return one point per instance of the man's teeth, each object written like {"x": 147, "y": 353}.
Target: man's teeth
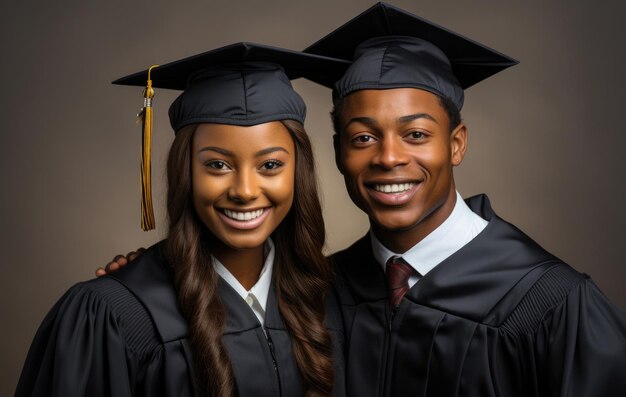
{"x": 243, "y": 216}
{"x": 394, "y": 188}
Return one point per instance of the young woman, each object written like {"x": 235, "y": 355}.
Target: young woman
{"x": 234, "y": 301}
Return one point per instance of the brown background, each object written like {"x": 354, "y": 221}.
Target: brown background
{"x": 546, "y": 137}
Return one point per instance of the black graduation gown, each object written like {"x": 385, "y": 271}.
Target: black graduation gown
{"x": 124, "y": 335}
{"x": 500, "y": 317}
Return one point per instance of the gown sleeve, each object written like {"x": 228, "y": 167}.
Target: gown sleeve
{"x": 79, "y": 350}
{"x": 585, "y": 345}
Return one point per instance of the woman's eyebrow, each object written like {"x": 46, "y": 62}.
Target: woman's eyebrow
{"x": 220, "y": 150}
{"x": 270, "y": 150}
{"x": 229, "y": 153}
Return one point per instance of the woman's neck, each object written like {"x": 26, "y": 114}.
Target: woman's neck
{"x": 244, "y": 265}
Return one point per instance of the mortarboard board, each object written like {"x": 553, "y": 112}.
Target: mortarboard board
{"x": 391, "y": 48}
{"x": 241, "y": 84}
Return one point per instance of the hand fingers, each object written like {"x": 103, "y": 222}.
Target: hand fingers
{"x": 111, "y": 267}
{"x": 134, "y": 254}
{"x": 120, "y": 259}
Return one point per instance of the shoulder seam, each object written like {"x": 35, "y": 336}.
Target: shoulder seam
{"x": 546, "y": 294}
{"x": 133, "y": 323}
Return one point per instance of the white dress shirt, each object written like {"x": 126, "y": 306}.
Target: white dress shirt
{"x": 457, "y": 230}
{"x": 255, "y": 297}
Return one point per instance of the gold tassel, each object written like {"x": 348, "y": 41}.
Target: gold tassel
{"x": 145, "y": 115}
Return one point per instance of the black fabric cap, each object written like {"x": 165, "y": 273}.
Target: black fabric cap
{"x": 240, "y": 84}
{"x": 391, "y": 48}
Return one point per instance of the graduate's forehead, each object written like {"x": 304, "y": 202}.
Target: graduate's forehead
{"x": 396, "y": 105}
{"x": 241, "y": 141}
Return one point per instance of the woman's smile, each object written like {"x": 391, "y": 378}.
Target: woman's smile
{"x": 242, "y": 180}
{"x": 244, "y": 220}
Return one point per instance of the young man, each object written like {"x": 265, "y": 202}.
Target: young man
{"x": 442, "y": 297}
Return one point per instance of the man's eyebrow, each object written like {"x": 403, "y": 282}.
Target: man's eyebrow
{"x": 364, "y": 120}
{"x": 411, "y": 117}
{"x": 371, "y": 122}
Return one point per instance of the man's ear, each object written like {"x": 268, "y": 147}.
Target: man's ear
{"x": 458, "y": 144}
{"x": 337, "y": 146}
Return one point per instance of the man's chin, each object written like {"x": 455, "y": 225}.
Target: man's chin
{"x": 393, "y": 223}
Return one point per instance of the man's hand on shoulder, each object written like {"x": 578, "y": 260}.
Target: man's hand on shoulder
{"x": 118, "y": 262}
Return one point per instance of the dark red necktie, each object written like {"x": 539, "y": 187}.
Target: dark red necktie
{"x": 398, "y": 273}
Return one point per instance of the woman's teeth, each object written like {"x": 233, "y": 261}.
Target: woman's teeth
{"x": 243, "y": 216}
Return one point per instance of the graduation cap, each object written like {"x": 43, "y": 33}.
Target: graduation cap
{"x": 241, "y": 84}
{"x": 391, "y": 48}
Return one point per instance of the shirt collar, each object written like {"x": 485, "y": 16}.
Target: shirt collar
{"x": 262, "y": 287}
{"x": 457, "y": 230}
{"x": 260, "y": 290}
